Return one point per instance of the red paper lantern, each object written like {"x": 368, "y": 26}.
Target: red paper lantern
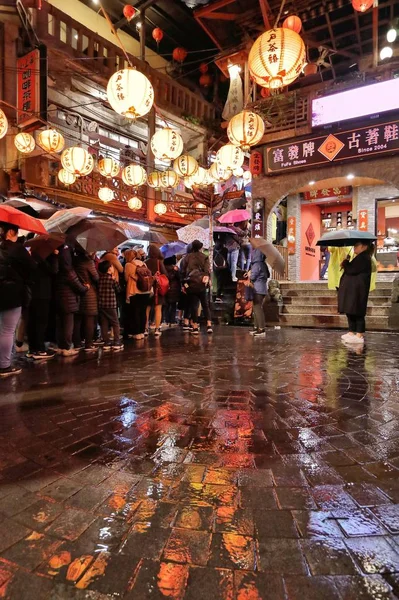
{"x": 157, "y": 34}
{"x": 129, "y": 11}
{"x": 179, "y": 54}
{"x": 205, "y": 80}
{"x": 203, "y": 68}
{"x": 255, "y": 163}
{"x": 265, "y": 92}
{"x": 310, "y": 69}
{"x": 293, "y": 22}
{"x": 362, "y": 5}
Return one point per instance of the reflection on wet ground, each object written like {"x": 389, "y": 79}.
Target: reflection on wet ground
{"x": 211, "y": 468}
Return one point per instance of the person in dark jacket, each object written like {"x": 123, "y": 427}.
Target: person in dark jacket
{"x": 108, "y": 289}
{"x": 195, "y": 273}
{"x": 354, "y": 291}
{"x": 220, "y": 268}
{"x": 39, "y": 308}
{"x": 173, "y": 295}
{"x": 258, "y": 276}
{"x": 86, "y": 317}
{"x": 155, "y": 263}
{"x": 16, "y": 268}
{"x": 69, "y": 288}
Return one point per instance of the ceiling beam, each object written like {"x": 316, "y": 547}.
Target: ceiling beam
{"x": 222, "y": 16}
{"x": 266, "y": 14}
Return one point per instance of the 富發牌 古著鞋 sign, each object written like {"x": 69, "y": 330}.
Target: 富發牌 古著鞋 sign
{"x": 334, "y": 147}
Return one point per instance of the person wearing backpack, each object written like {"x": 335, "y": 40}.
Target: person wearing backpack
{"x": 259, "y": 275}
{"x": 161, "y": 286}
{"x": 16, "y": 268}
{"x": 220, "y": 268}
{"x": 139, "y": 285}
{"x": 196, "y": 277}
{"x": 173, "y": 295}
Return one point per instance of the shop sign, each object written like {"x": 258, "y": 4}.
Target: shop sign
{"x": 327, "y": 193}
{"x": 190, "y": 210}
{"x": 363, "y": 220}
{"x": 291, "y": 235}
{"x": 258, "y": 218}
{"x": 203, "y": 195}
{"x": 28, "y": 90}
{"x": 324, "y": 149}
{"x": 255, "y": 163}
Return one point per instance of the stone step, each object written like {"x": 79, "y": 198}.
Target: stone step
{"x": 324, "y": 292}
{"x": 332, "y": 309}
{"x": 329, "y": 321}
{"x": 330, "y": 300}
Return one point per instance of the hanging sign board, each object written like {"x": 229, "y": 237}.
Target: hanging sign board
{"x": 32, "y": 88}
{"x": 258, "y": 218}
{"x": 291, "y": 235}
{"x": 363, "y": 220}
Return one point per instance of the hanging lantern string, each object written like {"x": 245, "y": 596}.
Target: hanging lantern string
{"x": 113, "y": 30}
{"x": 279, "y": 14}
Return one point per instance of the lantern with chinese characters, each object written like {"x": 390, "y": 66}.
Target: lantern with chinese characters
{"x": 179, "y": 54}
{"x": 188, "y": 182}
{"x": 108, "y": 167}
{"x": 3, "y": 124}
{"x": 218, "y": 173}
{"x": 24, "y": 143}
{"x": 246, "y": 129}
{"x": 154, "y": 180}
{"x": 66, "y": 177}
{"x": 208, "y": 180}
{"x": 129, "y": 12}
{"x": 276, "y": 58}
{"x": 362, "y": 5}
{"x": 230, "y": 156}
{"x": 51, "y": 140}
{"x": 255, "y": 163}
{"x": 169, "y": 179}
{"x": 134, "y": 175}
{"x": 294, "y": 23}
{"x": 130, "y": 93}
{"x": 157, "y": 34}
{"x": 77, "y": 160}
{"x": 238, "y": 172}
{"x": 166, "y": 144}
{"x": 205, "y": 80}
{"x": 160, "y": 209}
{"x": 247, "y": 176}
{"x": 134, "y": 203}
{"x": 199, "y": 177}
{"x": 106, "y": 194}
{"x": 185, "y": 165}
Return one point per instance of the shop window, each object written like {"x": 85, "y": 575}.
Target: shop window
{"x": 75, "y": 39}
{"x": 96, "y": 49}
{"x": 85, "y": 44}
{"x": 105, "y": 55}
{"x": 50, "y": 24}
{"x": 388, "y": 235}
{"x": 63, "y": 32}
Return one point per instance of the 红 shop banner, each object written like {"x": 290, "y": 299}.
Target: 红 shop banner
{"x": 328, "y": 148}
{"x": 28, "y": 91}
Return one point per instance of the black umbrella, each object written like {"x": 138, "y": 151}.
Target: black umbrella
{"x": 45, "y": 244}
{"x": 345, "y": 237}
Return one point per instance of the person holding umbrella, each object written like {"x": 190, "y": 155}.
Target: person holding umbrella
{"x": 86, "y": 317}
{"x": 258, "y": 276}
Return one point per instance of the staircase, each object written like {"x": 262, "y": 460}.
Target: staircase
{"x": 314, "y": 305}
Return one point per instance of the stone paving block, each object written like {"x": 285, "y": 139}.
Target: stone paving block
{"x": 144, "y": 541}
{"x": 328, "y": 556}
{"x": 367, "y": 494}
{"x": 330, "y": 497}
{"x": 31, "y": 551}
{"x": 157, "y": 581}
{"x": 195, "y": 517}
{"x": 313, "y": 588}
{"x": 295, "y": 498}
{"x": 258, "y": 497}
{"x": 210, "y": 583}
{"x": 258, "y": 586}
{"x": 282, "y": 557}
{"x": 388, "y": 514}
{"x": 11, "y": 532}
{"x": 275, "y": 524}
{"x": 316, "y": 524}
{"x": 39, "y": 515}
{"x": 230, "y": 519}
{"x": 232, "y": 551}
{"x": 16, "y": 502}
{"x": 70, "y": 524}
{"x": 61, "y": 489}
{"x": 26, "y": 586}
{"x": 187, "y": 546}
{"x": 370, "y": 587}
{"x": 374, "y": 555}
{"x": 358, "y": 523}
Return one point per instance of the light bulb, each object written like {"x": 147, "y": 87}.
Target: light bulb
{"x": 386, "y": 52}
{"x": 392, "y": 34}
{"x": 350, "y": 176}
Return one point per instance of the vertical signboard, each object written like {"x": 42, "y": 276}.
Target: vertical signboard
{"x": 291, "y": 235}
{"x": 32, "y": 87}
{"x": 363, "y": 220}
{"x": 258, "y": 218}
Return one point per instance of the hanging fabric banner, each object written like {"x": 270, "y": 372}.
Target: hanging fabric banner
{"x": 235, "y": 98}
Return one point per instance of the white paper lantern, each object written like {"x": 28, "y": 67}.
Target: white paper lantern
{"x": 218, "y": 173}
{"x": 77, "y": 160}
{"x": 230, "y": 157}
{"x": 51, "y": 140}
{"x": 3, "y": 124}
{"x": 66, "y": 177}
{"x": 160, "y": 208}
{"x": 130, "y": 93}
{"x": 185, "y": 165}
{"x": 105, "y": 194}
{"x": 24, "y": 143}
{"x": 238, "y": 172}
{"x": 246, "y": 129}
{"x": 199, "y": 177}
{"x": 169, "y": 179}
{"x": 134, "y": 203}
{"x": 154, "y": 180}
{"x": 134, "y": 175}
{"x": 108, "y": 167}
{"x": 167, "y": 144}
{"x": 188, "y": 182}
{"x": 209, "y": 179}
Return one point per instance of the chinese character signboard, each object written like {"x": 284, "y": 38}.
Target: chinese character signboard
{"x": 255, "y": 163}
{"x": 336, "y": 192}
{"x": 258, "y": 218}
{"x": 324, "y": 149}
{"x": 32, "y": 87}
{"x": 291, "y": 235}
{"x": 363, "y": 222}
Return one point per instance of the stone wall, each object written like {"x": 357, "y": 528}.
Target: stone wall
{"x": 294, "y": 261}
{"x": 365, "y": 197}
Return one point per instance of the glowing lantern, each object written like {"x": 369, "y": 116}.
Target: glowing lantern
{"x": 238, "y": 172}
{"x": 157, "y": 34}
{"x": 160, "y": 208}
{"x": 130, "y": 93}
{"x": 167, "y": 144}
{"x": 134, "y": 203}
{"x": 199, "y": 177}
{"x": 179, "y": 54}
{"x": 185, "y": 165}
{"x": 209, "y": 180}
{"x": 276, "y": 58}
{"x": 66, "y": 177}
{"x": 265, "y": 92}
{"x": 218, "y": 173}
{"x": 246, "y": 129}
{"x": 255, "y": 163}
{"x": 154, "y": 180}
{"x": 105, "y": 194}
{"x": 134, "y": 175}
{"x": 205, "y": 80}
{"x": 203, "y": 68}
{"x": 294, "y": 23}
{"x": 247, "y": 176}
{"x": 362, "y": 5}
{"x": 77, "y": 160}
{"x": 51, "y": 140}
{"x": 230, "y": 156}
{"x": 3, "y": 124}
{"x": 310, "y": 69}
{"x": 188, "y": 182}
{"x": 24, "y": 143}
{"x": 108, "y": 167}
{"x": 169, "y": 179}
{"x": 129, "y": 12}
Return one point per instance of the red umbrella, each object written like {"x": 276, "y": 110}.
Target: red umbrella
{"x": 235, "y": 216}
{"x": 13, "y": 216}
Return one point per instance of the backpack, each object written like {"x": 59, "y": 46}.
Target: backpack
{"x": 162, "y": 284}
{"x": 194, "y": 283}
{"x": 219, "y": 261}
{"x": 145, "y": 280}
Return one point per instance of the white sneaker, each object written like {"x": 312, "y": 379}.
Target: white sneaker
{"x": 355, "y": 339}
{"x": 70, "y": 352}
{"x": 234, "y": 279}
{"x": 253, "y": 332}
{"x": 24, "y": 348}
{"x": 347, "y": 336}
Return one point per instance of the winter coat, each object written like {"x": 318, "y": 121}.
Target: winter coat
{"x": 87, "y": 273}
{"x": 131, "y": 279}
{"x": 47, "y": 269}
{"x": 195, "y": 261}
{"x": 259, "y": 273}
{"x": 113, "y": 259}
{"x": 355, "y": 283}
{"x": 156, "y": 265}
{"x": 68, "y": 287}
{"x": 16, "y": 273}
{"x": 173, "y": 294}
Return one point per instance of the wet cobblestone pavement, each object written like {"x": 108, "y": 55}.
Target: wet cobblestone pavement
{"x": 211, "y": 468}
